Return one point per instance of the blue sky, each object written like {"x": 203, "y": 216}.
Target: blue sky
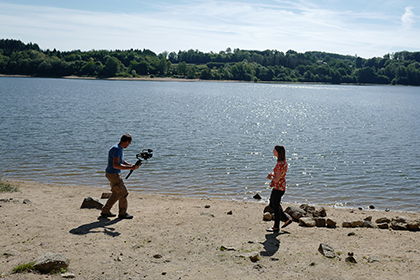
{"x": 368, "y": 28}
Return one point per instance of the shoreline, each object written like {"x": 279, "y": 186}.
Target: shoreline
{"x": 249, "y": 198}
{"x": 169, "y": 79}
{"x": 176, "y": 237}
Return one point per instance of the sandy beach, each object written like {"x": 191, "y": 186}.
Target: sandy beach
{"x": 176, "y": 237}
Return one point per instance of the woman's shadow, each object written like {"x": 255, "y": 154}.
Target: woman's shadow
{"x": 102, "y": 225}
{"x": 271, "y": 244}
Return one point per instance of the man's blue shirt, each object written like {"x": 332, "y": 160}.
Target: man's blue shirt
{"x": 115, "y": 151}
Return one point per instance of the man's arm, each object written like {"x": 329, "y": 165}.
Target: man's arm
{"x": 125, "y": 165}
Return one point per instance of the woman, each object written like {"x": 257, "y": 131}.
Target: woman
{"x": 278, "y": 183}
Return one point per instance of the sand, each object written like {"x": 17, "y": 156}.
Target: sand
{"x": 177, "y": 237}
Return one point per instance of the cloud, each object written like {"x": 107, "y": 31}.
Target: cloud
{"x": 408, "y": 18}
{"x": 211, "y": 26}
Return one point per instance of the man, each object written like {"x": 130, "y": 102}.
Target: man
{"x": 116, "y": 162}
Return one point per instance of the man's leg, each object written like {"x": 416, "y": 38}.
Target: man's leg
{"x": 119, "y": 192}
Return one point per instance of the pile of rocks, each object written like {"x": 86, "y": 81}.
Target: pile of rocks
{"x": 397, "y": 223}
{"x": 308, "y": 216}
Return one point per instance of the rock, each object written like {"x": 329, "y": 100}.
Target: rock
{"x": 157, "y": 256}
{"x": 304, "y": 207}
{"x": 326, "y": 250}
{"x": 351, "y": 234}
{"x": 322, "y": 212}
{"x": 91, "y": 203}
{"x": 268, "y": 209}
{"x": 4, "y": 200}
{"x": 268, "y": 217}
{"x": 382, "y": 220}
{"x": 357, "y": 224}
{"x": 252, "y": 256}
{"x": 229, "y": 213}
{"x": 257, "y": 196}
{"x": 26, "y": 201}
{"x": 106, "y": 195}
{"x": 51, "y": 262}
{"x": 398, "y": 226}
{"x": 352, "y": 224}
{"x": 307, "y": 222}
{"x": 372, "y": 259}
{"x": 346, "y": 224}
{"x": 368, "y": 218}
{"x": 207, "y": 206}
{"x": 371, "y": 207}
{"x": 295, "y": 212}
{"x": 310, "y": 210}
{"x": 68, "y": 275}
{"x": 400, "y": 219}
{"x": 350, "y": 258}
{"x": 413, "y": 225}
{"x": 368, "y": 224}
{"x": 331, "y": 223}
{"x": 383, "y": 225}
{"x": 320, "y": 222}
{"x": 315, "y": 214}
{"x": 227, "y": 248}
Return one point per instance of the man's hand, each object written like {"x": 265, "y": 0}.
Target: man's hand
{"x": 135, "y": 167}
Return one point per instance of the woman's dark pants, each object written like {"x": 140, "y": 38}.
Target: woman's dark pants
{"x": 275, "y": 200}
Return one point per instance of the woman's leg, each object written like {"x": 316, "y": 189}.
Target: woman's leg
{"x": 275, "y": 199}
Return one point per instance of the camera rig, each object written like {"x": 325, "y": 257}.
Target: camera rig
{"x": 144, "y": 155}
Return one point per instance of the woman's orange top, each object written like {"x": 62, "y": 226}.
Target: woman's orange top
{"x": 280, "y": 170}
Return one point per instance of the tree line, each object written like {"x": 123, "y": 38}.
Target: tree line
{"x": 400, "y": 68}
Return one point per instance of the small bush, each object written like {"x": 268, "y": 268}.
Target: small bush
{"x": 24, "y": 268}
{"x": 6, "y": 187}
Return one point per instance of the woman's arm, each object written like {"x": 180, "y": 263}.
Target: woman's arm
{"x": 277, "y": 175}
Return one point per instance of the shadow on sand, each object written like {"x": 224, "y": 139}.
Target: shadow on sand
{"x": 102, "y": 225}
{"x": 271, "y": 243}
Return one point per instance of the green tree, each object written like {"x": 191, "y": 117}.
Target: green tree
{"x": 182, "y": 68}
{"x": 191, "y": 72}
{"x": 111, "y": 68}
{"x": 91, "y": 68}
{"x": 205, "y": 74}
{"x": 242, "y": 71}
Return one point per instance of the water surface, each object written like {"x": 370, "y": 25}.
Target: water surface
{"x": 345, "y": 145}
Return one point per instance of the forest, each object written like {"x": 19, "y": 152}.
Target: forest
{"x": 399, "y": 68}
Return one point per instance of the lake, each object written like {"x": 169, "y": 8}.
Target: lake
{"x": 347, "y": 146}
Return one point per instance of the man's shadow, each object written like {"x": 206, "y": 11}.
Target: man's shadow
{"x": 271, "y": 243}
{"x": 95, "y": 227}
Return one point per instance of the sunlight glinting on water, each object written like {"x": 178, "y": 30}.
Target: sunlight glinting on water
{"x": 345, "y": 145}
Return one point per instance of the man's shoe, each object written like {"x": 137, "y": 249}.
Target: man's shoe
{"x": 108, "y": 215}
{"x": 125, "y": 216}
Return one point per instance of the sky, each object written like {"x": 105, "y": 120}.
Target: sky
{"x": 366, "y": 28}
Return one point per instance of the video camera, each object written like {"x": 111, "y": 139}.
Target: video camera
{"x": 144, "y": 155}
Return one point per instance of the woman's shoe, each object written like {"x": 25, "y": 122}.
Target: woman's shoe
{"x": 288, "y": 222}
{"x": 273, "y": 229}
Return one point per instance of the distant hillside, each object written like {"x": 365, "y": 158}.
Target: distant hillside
{"x": 400, "y": 68}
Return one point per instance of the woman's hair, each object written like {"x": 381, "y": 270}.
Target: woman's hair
{"x": 281, "y": 152}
